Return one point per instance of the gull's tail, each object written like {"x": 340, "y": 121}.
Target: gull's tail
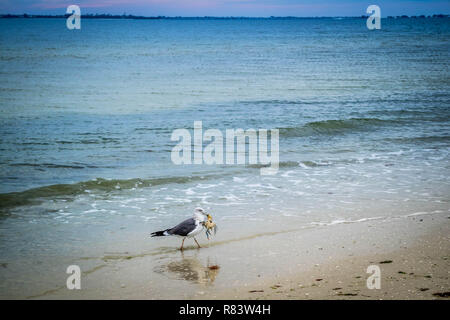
{"x": 160, "y": 233}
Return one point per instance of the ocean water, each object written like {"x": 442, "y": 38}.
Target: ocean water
{"x": 87, "y": 115}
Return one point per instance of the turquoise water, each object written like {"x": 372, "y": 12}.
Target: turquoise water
{"x": 86, "y": 119}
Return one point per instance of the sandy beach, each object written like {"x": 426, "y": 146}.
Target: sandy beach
{"x": 418, "y": 269}
{"x": 329, "y": 262}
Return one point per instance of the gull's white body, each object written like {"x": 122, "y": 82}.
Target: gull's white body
{"x": 188, "y": 228}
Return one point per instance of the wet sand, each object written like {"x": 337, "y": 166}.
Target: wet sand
{"x": 418, "y": 270}
{"x": 326, "y": 262}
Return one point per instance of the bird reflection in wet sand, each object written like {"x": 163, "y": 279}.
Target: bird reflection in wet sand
{"x": 192, "y": 270}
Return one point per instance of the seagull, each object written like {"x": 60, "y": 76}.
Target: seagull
{"x": 188, "y": 228}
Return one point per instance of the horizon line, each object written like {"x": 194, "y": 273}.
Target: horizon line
{"x": 131, "y": 16}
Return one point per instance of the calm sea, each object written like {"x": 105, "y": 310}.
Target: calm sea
{"x": 87, "y": 115}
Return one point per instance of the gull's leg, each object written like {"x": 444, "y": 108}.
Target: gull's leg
{"x": 196, "y": 242}
{"x": 182, "y": 243}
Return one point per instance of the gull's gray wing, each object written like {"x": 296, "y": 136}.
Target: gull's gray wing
{"x": 183, "y": 228}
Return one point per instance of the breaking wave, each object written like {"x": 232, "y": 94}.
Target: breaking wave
{"x": 36, "y": 195}
{"x": 329, "y": 127}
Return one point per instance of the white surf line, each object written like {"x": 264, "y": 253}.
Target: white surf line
{"x": 334, "y": 222}
{"x": 425, "y": 213}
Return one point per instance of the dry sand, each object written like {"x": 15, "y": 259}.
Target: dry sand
{"x": 418, "y": 269}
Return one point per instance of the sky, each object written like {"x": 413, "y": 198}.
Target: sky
{"x": 249, "y": 8}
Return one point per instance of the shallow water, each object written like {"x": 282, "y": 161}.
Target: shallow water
{"x": 86, "y": 119}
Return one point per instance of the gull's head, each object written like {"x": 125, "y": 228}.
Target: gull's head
{"x": 201, "y": 214}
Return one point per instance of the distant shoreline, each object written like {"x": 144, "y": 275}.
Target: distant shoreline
{"x": 133, "y": 17}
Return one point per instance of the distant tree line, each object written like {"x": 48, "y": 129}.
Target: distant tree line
{"x": 130, "y": 16}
